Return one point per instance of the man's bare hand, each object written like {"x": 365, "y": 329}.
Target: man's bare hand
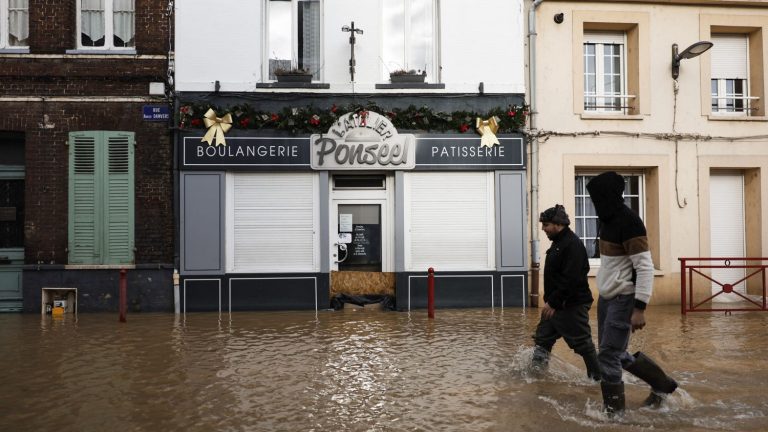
{"x": 547, "y": 312}
{"x": 638, "y": 319}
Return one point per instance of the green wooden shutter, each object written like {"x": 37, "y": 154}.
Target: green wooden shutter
{"x": 83, "y": 208}
{"x": 101, "y": 203}
{"x": 118, "y": 198}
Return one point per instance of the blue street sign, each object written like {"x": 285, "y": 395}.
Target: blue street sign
{"x": 156, "y": 113}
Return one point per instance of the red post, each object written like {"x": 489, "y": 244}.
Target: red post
{"x": 123, "y": 294}
{"x": 431, "y": 293}
{"x": 682, "y": 285}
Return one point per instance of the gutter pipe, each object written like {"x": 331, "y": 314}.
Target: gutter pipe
{"x": 534, "y": 169}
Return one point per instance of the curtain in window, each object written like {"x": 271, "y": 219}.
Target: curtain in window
{"x": 421, "y": 37}
{"x": 124, "y": 16}
{"x": 410, "y": 41}
{"x": 92, "y": 23}
{"x": 280, "y": 37}
{"x": 309, "y": 36}
{"x": 18, "y": 22}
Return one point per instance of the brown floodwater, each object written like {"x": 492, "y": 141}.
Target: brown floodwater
{"x": 363, "y": 369}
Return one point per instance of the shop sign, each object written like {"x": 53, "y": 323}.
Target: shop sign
{"x": 363, "y": 141}
{"x": 268, "y": 152}
{"x": 463, "y": 152}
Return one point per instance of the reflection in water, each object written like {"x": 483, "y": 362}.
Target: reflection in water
{"x": 362, "y": 369}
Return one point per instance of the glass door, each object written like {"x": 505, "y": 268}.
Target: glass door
{"x": 359, "y": 237}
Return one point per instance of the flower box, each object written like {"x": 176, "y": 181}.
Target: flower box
{"x": 294, "y": 77}
{"x": 409, "y": 77}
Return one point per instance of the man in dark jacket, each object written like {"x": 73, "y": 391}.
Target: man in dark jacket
{"x": 567, "y": 297}
{"x": 624, "y": 284}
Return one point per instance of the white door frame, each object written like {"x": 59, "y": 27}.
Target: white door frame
{"x": 384, "y": 198}
{"x": 736, "y": 231}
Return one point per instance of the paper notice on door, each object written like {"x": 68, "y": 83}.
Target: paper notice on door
{"x": 345, "y": 222}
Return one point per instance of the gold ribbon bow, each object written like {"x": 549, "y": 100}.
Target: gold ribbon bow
{"x": 487, "y": 130}
{"x": 217, "y": 127}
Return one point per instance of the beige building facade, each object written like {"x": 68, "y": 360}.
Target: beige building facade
{"x": 692, "y": 142}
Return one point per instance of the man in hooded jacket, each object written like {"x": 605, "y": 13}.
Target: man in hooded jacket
{"x": 625, "y": 285}
{"x": 567, "y": 297}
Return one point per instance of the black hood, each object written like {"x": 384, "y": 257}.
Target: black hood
{"x": 606, "y": 191}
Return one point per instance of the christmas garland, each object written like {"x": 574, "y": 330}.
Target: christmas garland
{"x": 310, "y": 119}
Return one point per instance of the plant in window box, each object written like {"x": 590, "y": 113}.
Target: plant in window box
{"x": 407, "y": 76}
{"x": 295, "y": 75}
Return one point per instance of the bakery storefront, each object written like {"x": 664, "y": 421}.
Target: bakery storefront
{"x": 271, "y": 221}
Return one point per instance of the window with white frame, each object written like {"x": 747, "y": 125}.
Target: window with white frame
{"x": 730, "y": 66}
{"x": 604, "y": 72}
{"x": 585, "y": 217}
{"x": 106, "y": 24}
{"x": 293, "y": 36}
{"x": 14, "y": 24}
{"x": 410, "y": 42}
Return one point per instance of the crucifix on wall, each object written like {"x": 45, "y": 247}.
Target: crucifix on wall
{"x": 352, "y": 30}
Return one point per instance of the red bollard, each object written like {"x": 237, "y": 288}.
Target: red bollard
{"x": 123, "y": 294}
{"x": 431, "y": 293}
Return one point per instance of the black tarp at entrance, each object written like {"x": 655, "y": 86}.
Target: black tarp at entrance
{"x": 387, "y": 301}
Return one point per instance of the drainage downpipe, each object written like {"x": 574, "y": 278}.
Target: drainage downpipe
{"x": 534, "y": 169}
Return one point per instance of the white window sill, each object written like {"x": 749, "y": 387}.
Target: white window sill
{"x": 596, "y": 116}
{"x": 99, "y": 266}
{"x": 103, "y": 52}
{"x": 14, "y": 50}
{"x": 725, "y": 117}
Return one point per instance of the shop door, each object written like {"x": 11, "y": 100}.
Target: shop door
{"x": 11, "y": 241}
{"x": 359, "y": 244}
{"x": 727, "y": 230}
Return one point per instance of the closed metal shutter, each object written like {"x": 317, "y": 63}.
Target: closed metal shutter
{"x": 450, "y": 221}
{"x": 729, "y": 56}
{"x": 272, "y": 222}
{"x": 726, "y": 204}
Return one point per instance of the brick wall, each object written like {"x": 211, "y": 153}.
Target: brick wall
{"x": 49, "y": 72}
{"x": 46, "y": 178}
{"x": 53, "y": 26}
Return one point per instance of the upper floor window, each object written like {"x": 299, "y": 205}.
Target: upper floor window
{"x": 14, "y": 23}
{"x": 293, "y": 36}
{"x": 729, "y": 80}
{"x": 410, "y": 42}
{"x": 604, "y": 72}
{"x": 586, "y": 221}
{"x": 106, "y": 24}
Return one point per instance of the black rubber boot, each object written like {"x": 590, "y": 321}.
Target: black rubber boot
{"x": 647, "y": 370}
{"x": 613, "y": 397}
{"x": 540, "y": 360}
{"x": 593, "y": 366}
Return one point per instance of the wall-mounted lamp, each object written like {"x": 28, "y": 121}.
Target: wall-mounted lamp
{"x": 692, "y": 51}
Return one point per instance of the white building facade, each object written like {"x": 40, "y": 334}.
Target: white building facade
{"x": 300, "y": 192}
{"x": 688, "y": 135}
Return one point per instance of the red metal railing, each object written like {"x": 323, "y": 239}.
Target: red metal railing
{"x": 692, "y": 299}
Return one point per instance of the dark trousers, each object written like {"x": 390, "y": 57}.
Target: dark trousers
{"x": 613, "y": 330}
{"x": 572, "y": 324}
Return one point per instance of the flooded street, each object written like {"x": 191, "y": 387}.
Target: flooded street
{"x": 363, "y": 369}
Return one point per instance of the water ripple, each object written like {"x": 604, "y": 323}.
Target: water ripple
{"x": 361, "y": 370}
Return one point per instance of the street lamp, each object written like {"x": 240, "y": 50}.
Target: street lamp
{"x": 692, "y": 51}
